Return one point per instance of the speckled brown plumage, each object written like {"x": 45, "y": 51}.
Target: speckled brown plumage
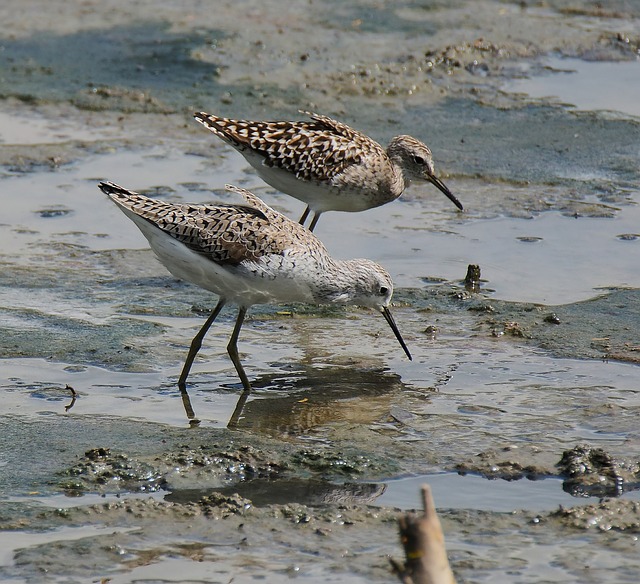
{"x": 326, "y": 163}
{"x": 318, "y": 150}
{"x": 250, "y": 254}
{"x": 225, "y": 234}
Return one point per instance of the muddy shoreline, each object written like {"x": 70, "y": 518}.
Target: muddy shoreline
{"x": 530, "y": 380}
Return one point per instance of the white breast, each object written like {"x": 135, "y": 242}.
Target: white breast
{"x": 320, "y": 196}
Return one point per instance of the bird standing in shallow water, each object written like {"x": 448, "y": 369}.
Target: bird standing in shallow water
{"x": 327, "y": 164}
{"x": 250, "y": 254}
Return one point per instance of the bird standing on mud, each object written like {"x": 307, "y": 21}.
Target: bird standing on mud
{"x": 250, "y": 254}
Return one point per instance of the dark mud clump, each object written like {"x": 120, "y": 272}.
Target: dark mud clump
{"x": 587, "y": 471}
{"x": 225, "y": 463}
{"x": 592, "y": 472}
{"x": 510, "y": 463}
{"x": 332, "y": 463}
{"x": 608, "y": 515}
{"x": 102, "y": 470}
{"x": 191, "y": 470}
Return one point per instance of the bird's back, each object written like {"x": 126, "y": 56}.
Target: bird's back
{"x": 323, "y": 162}
{"x": 243, "y": 252}
{"x": 317, "y": 150}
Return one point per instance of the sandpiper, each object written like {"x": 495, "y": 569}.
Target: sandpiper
{"x": 250, "y": 254}
{"x": 327, "y": 164}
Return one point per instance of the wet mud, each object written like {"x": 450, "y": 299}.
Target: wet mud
{"x": 524, "y": 373}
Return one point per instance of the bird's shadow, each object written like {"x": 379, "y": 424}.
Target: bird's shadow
{"x": 303, "y": 397}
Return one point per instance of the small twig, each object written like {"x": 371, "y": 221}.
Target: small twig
{"x": 74, "y": 395}
{"x": 472, "y": 278}
{"x": 423, "y": 542}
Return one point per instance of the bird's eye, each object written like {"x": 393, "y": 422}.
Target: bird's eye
{"x": 383, "y": 290}
{"x": 419, "y": 160}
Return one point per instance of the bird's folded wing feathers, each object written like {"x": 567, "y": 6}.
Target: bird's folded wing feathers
{"x": 227, "y": 234}
{"x": 316, "y": 150}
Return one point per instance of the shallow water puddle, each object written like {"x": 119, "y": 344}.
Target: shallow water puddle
{"x": 35, "y": 387}
{"x": 453, "y": 399}
{"x": 550, "y": 259}
{"x": 219, "y": 567}
{"x": 16, "y": 128}
{"x": 67, "y": 206}
{"x": 11, "y": 541}
{"x": 455, "y": 491}
{"x": 586, "y": 85}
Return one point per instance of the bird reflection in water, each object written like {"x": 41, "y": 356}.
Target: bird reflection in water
{"x": 302, "y": 398}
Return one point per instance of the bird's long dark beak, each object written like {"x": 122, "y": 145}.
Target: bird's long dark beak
{"x": 433, "y": 179}
{"x": 396, "y": 332}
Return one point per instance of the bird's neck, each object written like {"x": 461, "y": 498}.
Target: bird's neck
{"x": 337, "y": 282}
{"x": 401, "y": 178}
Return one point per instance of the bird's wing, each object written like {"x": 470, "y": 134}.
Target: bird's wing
{"x": 226, "y": 234}
{"x": 316, "y": 150}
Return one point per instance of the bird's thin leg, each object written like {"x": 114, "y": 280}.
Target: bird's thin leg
{"x": 316, "y": 216}
{"x": 232, "y": 349}
{"x": 196, "y": 343}
{"x": 304, "y": 215}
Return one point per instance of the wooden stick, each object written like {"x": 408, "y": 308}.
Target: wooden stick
{"x": 423, "y": 541}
